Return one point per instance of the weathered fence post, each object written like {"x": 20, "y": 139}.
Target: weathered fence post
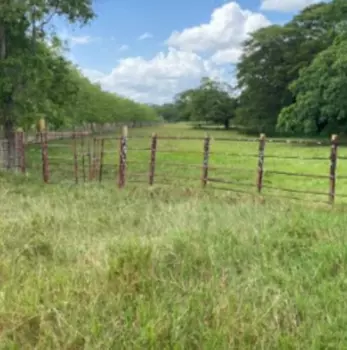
{"x": 20, "y": 151}
{"x": 261, "y": 155}
{"x": 74, "y": 145}
{"x": 153, "y": 158}
{"x": 101, "y": 165}
{"x": 44, "y": 151}
{"x": 204, "y": 178}
{"x": 94, "y": 150}
{"x": 333, "y": 162}
{"x": 83, "y": 160}
{"x": 89, "y": 160}
{"x": 122, "y": 157}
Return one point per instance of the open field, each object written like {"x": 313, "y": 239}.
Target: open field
{"x": 179, "y": 162}
{"x": 92, "y": 267}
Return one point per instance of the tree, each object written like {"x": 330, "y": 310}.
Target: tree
{"x": 37, "y": 81}
{"x": 320, "y": 90}
{"x": 22, "y": 31}
{"x": 211, "y": 102}
{"x": 273, "y": 58}
{"x": 168, "y": 111}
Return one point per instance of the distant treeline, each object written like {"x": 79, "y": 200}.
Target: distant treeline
{"x": 291, "y": 78}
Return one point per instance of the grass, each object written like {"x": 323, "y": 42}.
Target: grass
{"x": 92, "y": 267}
{"x": 179, "y": 163}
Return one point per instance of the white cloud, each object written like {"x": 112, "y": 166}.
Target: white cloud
{"x": 145, "y": 36}
{"x": 205, "y": 50}
{"x": 124, "y": 48}
{"x": 226, "y": 56}
{"x": 74, "y": 40}
{"x": 158, "y": 79}
{"x": 228, "y": 27}
{"x": 286, "y": 5}
{"x": 80, "y": 40}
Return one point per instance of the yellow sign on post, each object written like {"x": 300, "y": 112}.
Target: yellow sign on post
{"x": 41, "y": 125}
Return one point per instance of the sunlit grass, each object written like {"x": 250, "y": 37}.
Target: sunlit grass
{"x": 179, "y": 162}
{"x": 92, "y": 267}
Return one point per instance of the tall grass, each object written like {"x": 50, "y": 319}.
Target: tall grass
{"x": 92, "y": 267}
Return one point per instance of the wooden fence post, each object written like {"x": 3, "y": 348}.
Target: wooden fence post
{"x": 261, "y": 155}
{"x": 89, "y": 155}
{"x": 204, "y": 178}
{"x": 122, "y": 157}
{"x": 83, "y": 158}
{"x": 74, "y": 146}
{"x": 153, "y": 158}
{"x": 333, "y": 163}
{"x": 101, "y": 165}
{"x": 44, "y": 151}
{"x": 22, "y": 153}
{"x": 20, "y": 150}
{"x": 93, "y": 160}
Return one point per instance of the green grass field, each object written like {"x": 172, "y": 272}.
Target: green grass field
{"x": 179, "y": 163}
{"x": 92, "y": 267}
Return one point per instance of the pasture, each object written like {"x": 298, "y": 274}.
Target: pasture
{"x": 179, "y": 163}
{"x": 93, "y": 267}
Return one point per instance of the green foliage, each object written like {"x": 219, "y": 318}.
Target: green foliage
{"x": 321, "y": 90}
{"x": 211, "y": 102}
{"x": 276, "y": 56}
{"x": 37, "y": 81}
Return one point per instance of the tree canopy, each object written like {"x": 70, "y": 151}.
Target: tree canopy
{"x": 211, "y": 102}
{"x": 37, "y": 81}
{"x": 291, "y": 78}
{"x": 288, "y": 74}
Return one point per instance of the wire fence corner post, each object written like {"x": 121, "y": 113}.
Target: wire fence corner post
{"x": 153, "y": 158}
{"x": 101, "y": 165}
{"x": 122, "y": 157}
{"x": 75, "y": 156}
{"x": 44, "y": 151}
{"x": 22, "y": 159}
{"x": 206, "y": 154}
{"x": 83, "y": 158}
{"x": 94, "y": 158}
{"x": 261, "y": 156}
{"x": 20, "y": 150}
{"x": 333, "y": 163}
{"x": 89, "y": 156}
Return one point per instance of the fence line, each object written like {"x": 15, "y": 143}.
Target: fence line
{"x": 88, "y": 150}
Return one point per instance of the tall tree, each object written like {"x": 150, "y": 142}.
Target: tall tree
{"x": 321, "y": 94}
{"x": 274, "y": 56}
{"x": 211, "y": 102}
{"x": 22, "y": 30}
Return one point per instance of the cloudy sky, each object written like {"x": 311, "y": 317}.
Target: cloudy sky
{"x": 151, "y": 50}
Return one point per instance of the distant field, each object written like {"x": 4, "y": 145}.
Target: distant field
{"x": 237, "y": 162}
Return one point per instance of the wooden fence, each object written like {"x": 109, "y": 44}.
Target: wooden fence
{"x": 85, "y": 160}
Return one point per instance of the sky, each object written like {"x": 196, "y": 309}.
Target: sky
{"x": 151, "y": 50}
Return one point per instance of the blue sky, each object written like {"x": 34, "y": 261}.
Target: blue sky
{"x": 151, "y": 50}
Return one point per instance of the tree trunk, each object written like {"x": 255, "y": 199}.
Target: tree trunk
{"x": 10, "y": 153}
{"x": 227, "y": 124}
{"x": 6, "y": 108}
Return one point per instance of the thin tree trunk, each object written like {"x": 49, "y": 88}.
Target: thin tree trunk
{"x": 226, "y": 124}
{"x": 9, "y": 131}
{"x": 9, "y": 155}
